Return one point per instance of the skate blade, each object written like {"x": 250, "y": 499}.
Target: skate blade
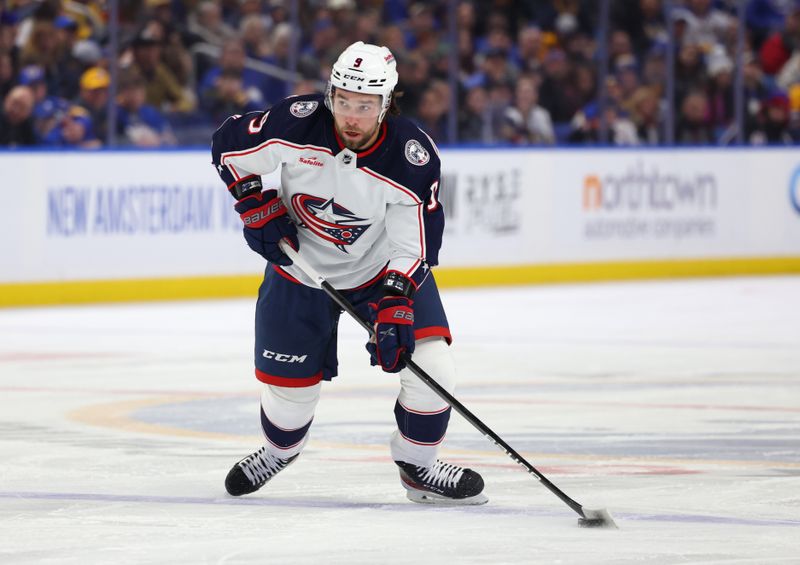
{"x": 422, "y": 497}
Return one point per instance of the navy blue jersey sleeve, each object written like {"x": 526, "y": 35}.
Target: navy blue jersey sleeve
{"x": 423, "y": 175}
{"x": 246, "y": 145}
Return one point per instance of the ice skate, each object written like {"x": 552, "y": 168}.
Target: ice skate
{"x": 442, "y": 483}
{"x": 253, "y": 472}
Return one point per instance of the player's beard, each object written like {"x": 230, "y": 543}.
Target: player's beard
{"x": 362, "y": 141}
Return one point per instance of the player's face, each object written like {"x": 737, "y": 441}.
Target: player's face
{"x": 356, "y": 118}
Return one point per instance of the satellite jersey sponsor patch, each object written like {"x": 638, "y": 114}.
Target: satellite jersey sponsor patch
{"x": 303, "y": 108}
{"x": 416, "y": 153}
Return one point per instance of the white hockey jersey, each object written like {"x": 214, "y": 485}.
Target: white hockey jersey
{"x": 357, "y": 214}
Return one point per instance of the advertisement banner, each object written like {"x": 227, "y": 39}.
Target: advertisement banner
{"x": 77, "y": 216}
{"x": 131, "y": 215}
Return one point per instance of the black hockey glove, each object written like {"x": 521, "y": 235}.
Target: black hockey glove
{"x": 393, "y": 320}
{"x": 265, "y": 224}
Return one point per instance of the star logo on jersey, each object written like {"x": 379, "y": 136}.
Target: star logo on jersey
{"x": 328, "y": 220}
{"x": 303, "y": 108}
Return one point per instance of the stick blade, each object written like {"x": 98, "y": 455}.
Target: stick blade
{"x": 597, "y": 519}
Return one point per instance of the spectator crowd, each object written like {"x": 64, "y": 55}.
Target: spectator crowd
{"x": 527, "y": 73}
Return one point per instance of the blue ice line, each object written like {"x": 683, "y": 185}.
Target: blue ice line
{"x": 403, "y": 507}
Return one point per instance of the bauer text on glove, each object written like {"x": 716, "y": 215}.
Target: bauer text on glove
{"x": 393, "y": 319}
{"x": 265, "y": 224}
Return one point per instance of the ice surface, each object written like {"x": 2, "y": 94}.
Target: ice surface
{"x": 675, "y": 405}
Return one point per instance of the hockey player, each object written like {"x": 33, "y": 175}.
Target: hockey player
{"x": 358, "y": 201}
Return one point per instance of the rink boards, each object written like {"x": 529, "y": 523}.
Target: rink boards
{"x": 112, "y": 226}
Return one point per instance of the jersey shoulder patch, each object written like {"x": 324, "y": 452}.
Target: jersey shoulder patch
{"x": 296, "y": 119}
{"x": 303, "y": 108}
{"x": 417, "y": 146}
{"x": 416, "y": 153}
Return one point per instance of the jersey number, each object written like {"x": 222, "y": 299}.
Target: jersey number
{"x": 433, "y": 203}
{"x": 255, "y": 126}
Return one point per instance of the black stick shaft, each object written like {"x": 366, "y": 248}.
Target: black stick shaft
{"x": 345, "y": 305}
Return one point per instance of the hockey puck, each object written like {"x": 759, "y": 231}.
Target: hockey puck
{"x": 596, "y": 519}
{"x": 593, "y": 523}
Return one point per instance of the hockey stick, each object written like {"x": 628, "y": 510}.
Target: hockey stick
{"x": 588, "y": 518}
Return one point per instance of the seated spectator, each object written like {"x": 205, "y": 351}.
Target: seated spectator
{"x": 93, "y": 96}
{"x": 531, "y": 121}
{"x": 529, "y": 51}
{"x": 16, "y": 120}
{"x": 475, "y": 120}
{"x": 432, "y": 114}
{"x": 69, "y": 67}
{"x": 232, "y": 61}
{"x": 164, "y": 91}
{"x": 33, "y": 76}
{"x": 720, "y": 88}
{"x": 41, "y": 48}
{"x": 74, "y": 131}
{"x": 140, "y": 124}
{"x": 690, "y": 72}
{"x": 497, "y": 68}
{"x": 585, "y": 126}
{"x": 207, "y": 24}
{"x": 774, "y": 126}
{"x": 415, "y": 74}
{"x": 693, "y": 127}
{"x": 556, "y": 74}
{"x": 322, "y": 48}
{"x": 228, "y": 96}
{"x": 9, "y": 26}
{"x": 47, "y": 114}
{"x": 620, "y": 49}
{"x": 254, "y": 33}
{"x": 627, "y": 75}
{"x": 645, "y": 110}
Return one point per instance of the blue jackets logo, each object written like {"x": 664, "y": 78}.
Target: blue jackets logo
{"x": 416, "y": 153}
{"x": 328, "y": 220}
{"x": 303, "y": 108}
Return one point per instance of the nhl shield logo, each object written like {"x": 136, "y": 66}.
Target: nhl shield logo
{"x": 416, "y": 153}
{"x": 303, "y": 109}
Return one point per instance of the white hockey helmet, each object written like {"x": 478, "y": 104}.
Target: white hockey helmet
{"x": 364, "y": 68}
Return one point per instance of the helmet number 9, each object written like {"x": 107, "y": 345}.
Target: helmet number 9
{"x": 357, "y": 63}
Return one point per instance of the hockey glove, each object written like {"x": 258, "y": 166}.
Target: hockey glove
{"x": 393, "y": 320}
{"x": 265, "y": 224}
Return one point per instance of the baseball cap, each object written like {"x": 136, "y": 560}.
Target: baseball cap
{"x": 87, "y": 51}
{"x": 65, "y": 22}
{"x": 94, "y": 78}
{"x": 50, "y": 107}
{"x": 31, "y": 74}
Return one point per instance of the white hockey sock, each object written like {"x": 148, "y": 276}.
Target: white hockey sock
{"x": 417, "y": 403}
{"x": 286, "y": 416}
